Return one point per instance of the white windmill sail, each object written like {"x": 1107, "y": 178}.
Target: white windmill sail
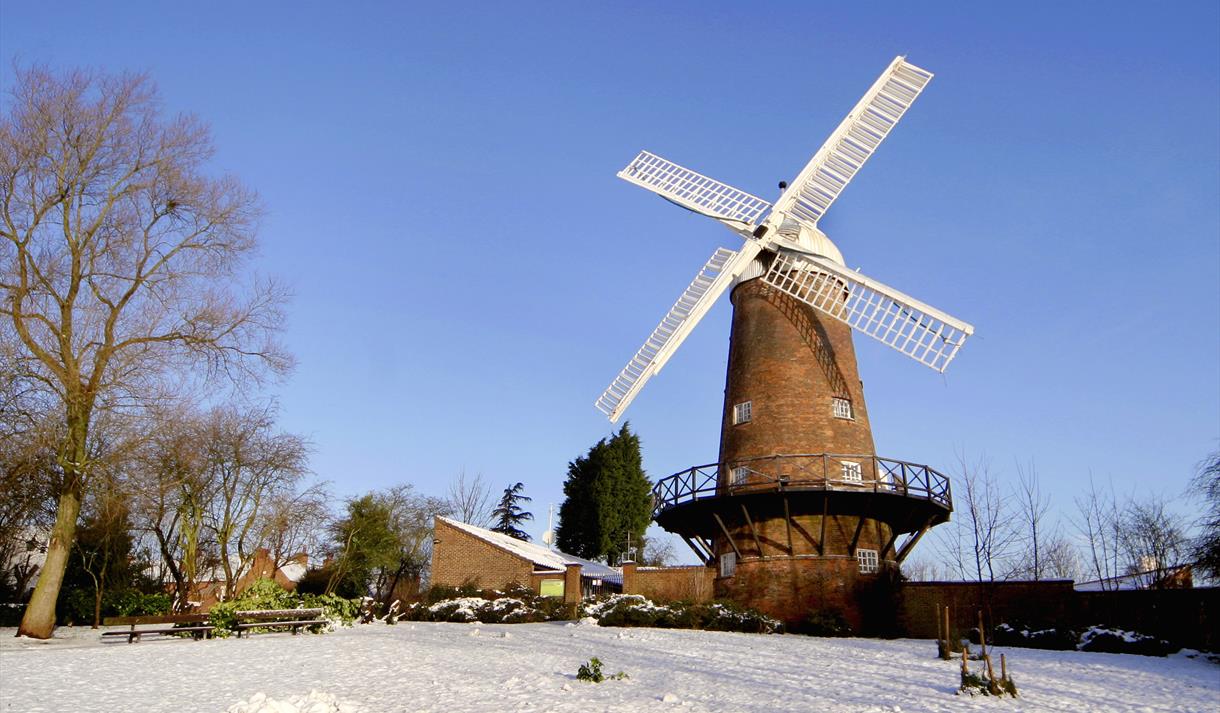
{"x": 851, "y": 144}
{"x": 920, "y": 331}
{"x": 694, "y": 191}
{"x": 719, "y": 272}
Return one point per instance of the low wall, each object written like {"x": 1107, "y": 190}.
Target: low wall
{"x": 668, "y": 584}
{"x": 1189, "y": 617}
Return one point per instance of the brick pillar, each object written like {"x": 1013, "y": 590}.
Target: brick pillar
{"x": 628, "y": 577}
{"x": 571, "y": 589}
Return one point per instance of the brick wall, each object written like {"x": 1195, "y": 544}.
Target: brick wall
{"x": 1039, "y": 604}
{"x": 1187, "y": 617}
{"x": 459, "y": 558}
{"x": 668, "y": 584}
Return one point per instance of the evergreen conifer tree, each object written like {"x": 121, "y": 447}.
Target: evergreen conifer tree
{"x": 607, "y": 500}
{"x": 508, "y": 513}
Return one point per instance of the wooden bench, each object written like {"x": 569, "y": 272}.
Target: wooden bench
{"x": 194, "y": 624}
{"x": 294, "y": 619}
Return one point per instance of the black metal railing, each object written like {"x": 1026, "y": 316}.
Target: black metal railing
{"x": 816, "y": 471}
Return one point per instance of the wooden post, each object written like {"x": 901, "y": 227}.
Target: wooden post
{"x": 965, "y": 655}
{"x": 982, "y": 636}
{"x": 948, "y": 636}
{"x": 939, "y": 637}
{"x": 1003, "y": 668}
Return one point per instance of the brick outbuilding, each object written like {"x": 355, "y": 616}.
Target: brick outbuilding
{"x": 465, "y": 554}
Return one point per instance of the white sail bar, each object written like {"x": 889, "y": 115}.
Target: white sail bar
{"x": 694, "y": 191}
{"x": 836, "y": 163}
{"x": 922, "y": 332}
{"x": 699, "y": 296}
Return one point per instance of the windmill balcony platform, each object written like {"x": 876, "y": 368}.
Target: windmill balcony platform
{"x": 908, "y": 496}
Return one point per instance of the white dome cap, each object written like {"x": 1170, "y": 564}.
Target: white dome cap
{"x": 809, "y": 239}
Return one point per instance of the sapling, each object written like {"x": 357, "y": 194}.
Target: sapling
{"x": 591, "y": 671}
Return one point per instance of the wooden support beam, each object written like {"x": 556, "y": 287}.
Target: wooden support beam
{"x": 788, "y": 527}
{"x": 753, "y": 530}
{"x": 888, "y": 545}
{"x": 727, "y": 536}
{"x": 707, "y": 545}
{"x": 703, "y": 556}
{"x": 822, "y": 539}
{"x": 910, "y": 543}
{"x": 855, "y": 539}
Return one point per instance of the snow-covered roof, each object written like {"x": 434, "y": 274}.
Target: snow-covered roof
{"x": 542, "y": 557}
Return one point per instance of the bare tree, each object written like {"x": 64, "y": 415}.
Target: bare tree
{"x": 656, "y": 551}
{"x": 169, "y": 492}
{"x": 980, "y": 544}
{"x": 1205, "y": 549}
{"x": 1099, "y": 525}
{"x": 295, "y": 523}
{"x": 1033, "y": 506}
{"x": 1152, "y": 540}
{"x": 469, "y": 499}
{"x": 1060, "y": 559}
{"x": 248, "y": 466}
{"x": 117, "y": 261}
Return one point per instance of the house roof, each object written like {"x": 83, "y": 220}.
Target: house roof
{"x": 542, "y": 557}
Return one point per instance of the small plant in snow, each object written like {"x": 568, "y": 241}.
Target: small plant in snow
{"x": 591, "y": 671}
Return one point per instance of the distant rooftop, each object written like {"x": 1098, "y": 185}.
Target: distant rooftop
{"x": 542, "y": 557}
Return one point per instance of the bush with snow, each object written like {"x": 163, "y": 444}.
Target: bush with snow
{"x": 1118, "y": 641}
{"x": 267, "y": 595}
{"x": 1096, "y": 638}
{"x": 636, "y": 610}
{"x": 516, "y": 605}
{"x": 1049, "y": 639}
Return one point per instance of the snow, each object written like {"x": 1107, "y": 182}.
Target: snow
{"x": 539, "y": 555}
{"x": 532, "y": 667}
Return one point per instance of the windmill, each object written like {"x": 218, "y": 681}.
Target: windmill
{"x": 798, "y": 498}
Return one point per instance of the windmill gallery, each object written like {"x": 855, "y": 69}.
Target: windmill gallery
{"x": 798, "y": 513}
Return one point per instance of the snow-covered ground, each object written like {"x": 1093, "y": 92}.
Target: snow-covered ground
{"x": 532, "y": 667}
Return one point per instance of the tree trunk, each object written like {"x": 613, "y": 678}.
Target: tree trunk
{"x": 181, "y": 590}
{"x": 39, "y": 619}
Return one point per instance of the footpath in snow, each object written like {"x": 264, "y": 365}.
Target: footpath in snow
{"x": 532, "y": 667}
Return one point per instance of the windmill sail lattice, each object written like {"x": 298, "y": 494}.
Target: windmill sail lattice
{"x": 851, "y": 144}
{"x": 923, "y": 333}
{"x": 693, "y": 190}
{"x": 696, "y": 299}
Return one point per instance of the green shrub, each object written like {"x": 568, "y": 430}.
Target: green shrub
{"x": 591, "y": 671}
{"x": 267, "y": 594}
{"x": 1054, "y": 639}
{"x": 77, "y": 604}
{"x": 975, "y": 684}
{"x": 824, "y": 622}
{"x": 11, "y": 613}
{"x": 1117, "y": 641}
{"x": 635, "y": 610}
{"x": 440, "y": 593}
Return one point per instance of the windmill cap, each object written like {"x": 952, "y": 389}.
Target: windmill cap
{"x": 810, "y": 239}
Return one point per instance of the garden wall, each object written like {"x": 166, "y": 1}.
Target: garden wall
{"x": 668, "y": 584}
{"x": 1186, "y": 617}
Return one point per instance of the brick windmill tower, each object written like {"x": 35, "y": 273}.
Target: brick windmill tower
{"x": 799, "y": 514}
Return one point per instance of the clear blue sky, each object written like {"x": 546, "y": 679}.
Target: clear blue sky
{"x": 469, "y": 273}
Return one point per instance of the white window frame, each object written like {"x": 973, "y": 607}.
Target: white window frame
{"x": 852, "y": 472}
{"x": 743, "y": 412}
{"x": 728, "y": 564}
{"x": 739, "y": 475}
{"x": 870, "y": 563}
{"x": 841, "y": 408}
